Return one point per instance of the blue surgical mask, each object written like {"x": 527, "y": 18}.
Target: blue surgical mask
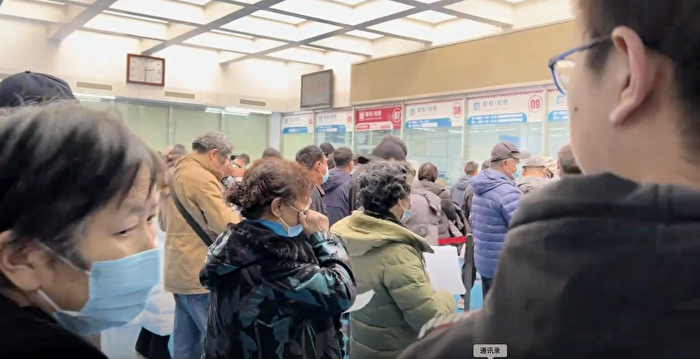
{"x": 280, "y": 229}
{"x": 327, "y": 175}
{"x": 406, "y": 212}
{"x": 118, "y": 291}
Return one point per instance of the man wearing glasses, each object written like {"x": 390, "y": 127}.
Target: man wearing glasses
{"x": 606, "y": 265}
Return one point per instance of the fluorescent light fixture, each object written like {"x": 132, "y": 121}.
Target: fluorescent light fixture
{"x": 244, "y": 111}
{"x": 312, "y": 48}
{"x": 431, "y": 17}
{"x": 213, "y": 110}
{"x": 88, "y": 96}
{"x": 109, "y": 12}
{"x": 269, "y": 15}
{"x": 195, "y": 2}
{"x": 350, "y": 2}
{"x": 364, "y": 34}
{"x": 51, "y": 2}
{"x": 222, "y": 32}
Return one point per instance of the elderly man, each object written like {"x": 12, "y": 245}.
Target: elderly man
{"x": 534, "y": 175}
{"x": 196, "y": 215}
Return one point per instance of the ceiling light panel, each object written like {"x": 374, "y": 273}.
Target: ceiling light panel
{"x": 405, "y": 27}
{"x": 349, "y": 2}
{"x": 375, "y": 9}
{"x": 232, "y": 43}
{"x": 347, "y": 43}
{"x": 364, "y": 34}
{"x": 164, "y": 9}
{"x": 301, "y": 55}
{"x": 431, "y": 17}
{"x": 128, "y": 26}
{"x": 278, "y": 17}
{"x": 322, "y": 9}
{"x": 195, "y": 2}
{"x": 268, "y": 28}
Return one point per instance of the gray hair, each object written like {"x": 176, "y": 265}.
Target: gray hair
{"x": 382, "y": 184}
{"x": 567, "y": 161}
{"x": 213, "y": 141}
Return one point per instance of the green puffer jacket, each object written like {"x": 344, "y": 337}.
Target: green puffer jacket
{"x": 388, "y": 258}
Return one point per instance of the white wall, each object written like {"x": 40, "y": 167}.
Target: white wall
{"x": 99, "y": 58}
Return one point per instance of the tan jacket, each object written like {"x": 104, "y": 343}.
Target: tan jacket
{"x": 198, "y": 186}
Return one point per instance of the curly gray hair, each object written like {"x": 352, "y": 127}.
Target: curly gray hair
{"x": 382, "y": 184}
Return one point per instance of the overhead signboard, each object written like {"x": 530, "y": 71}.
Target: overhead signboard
{"x": 317, "y": 90}
{"x": 337, "y": 121}
{"x": 558, "y": 106}
{"x": 380, "y": 118}
{"x": 507, "y": 107}
{"x": 300, "y": 123}
{"x": 437, "y": 113}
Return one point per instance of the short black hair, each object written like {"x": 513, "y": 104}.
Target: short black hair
{"x": 327, "y": 148}
{"x": 382, "y": 184}
{"x": 567, "y": 162}
{"x": 309, "y": 155}
{"x": 60, "y": 163}
{"x": 343, "y": 157}
{"x": 271, "y": 152}
{"x": 666, "y": 27}
{"x": 471, "y": 167}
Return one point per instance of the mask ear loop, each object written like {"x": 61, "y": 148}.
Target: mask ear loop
{"x": 65, "y": 260}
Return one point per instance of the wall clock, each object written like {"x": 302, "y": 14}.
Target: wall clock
{"x": 145, "y": 70}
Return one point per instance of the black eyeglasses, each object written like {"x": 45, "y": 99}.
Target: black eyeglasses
{"x": 562, "y": 67}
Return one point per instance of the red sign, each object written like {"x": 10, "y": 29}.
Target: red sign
{"x": 385, "y": 118}
{"x": 535, "y": 103}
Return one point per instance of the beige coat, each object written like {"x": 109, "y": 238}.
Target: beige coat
{"x": 198, "y": 186}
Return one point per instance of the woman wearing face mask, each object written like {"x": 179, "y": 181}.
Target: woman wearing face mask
{"x": 77, "y": 210}
{"x": 388, "y": 259}
{"x": 278, "y": 278}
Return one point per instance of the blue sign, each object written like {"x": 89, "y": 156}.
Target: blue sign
{"x": 291, "y": 130}
{"x": 519, "y": 117}
{"x": 558, "y": 116}
{"x": 330, "y": 128}
{"x": 438, "y": 122}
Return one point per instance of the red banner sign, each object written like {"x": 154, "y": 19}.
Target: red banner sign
{"x": 385, "y": 118}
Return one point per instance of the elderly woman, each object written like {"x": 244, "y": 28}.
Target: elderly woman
{"x": 388, "y": 259}
{"x": 278, "y": 279}
{"x": 77, "y": 211}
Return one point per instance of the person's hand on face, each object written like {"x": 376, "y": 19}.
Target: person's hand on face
{"x": 313, "y": 222}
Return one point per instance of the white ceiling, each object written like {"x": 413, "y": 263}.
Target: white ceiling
{"x": 290, "y": 30}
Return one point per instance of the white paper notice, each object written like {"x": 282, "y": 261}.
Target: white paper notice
{"x": 361, "y": 300}
{"x": 444, "y": 271}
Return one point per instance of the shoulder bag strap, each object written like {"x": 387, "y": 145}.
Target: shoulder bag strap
{"x": 204, "y": 236}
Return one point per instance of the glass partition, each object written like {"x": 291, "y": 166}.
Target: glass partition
{"x": 148, "y": 121}
{"x": 367, "y": 140}
{"x": 247, "y": 133}
{"x": 293, "y": 142}
{"x": 190, "y": 123}
{"x": 482, "y": 138}
{"x": 558, "y": 135}
{"x": 441, "y": 146}
{"x": 337, "y": 139}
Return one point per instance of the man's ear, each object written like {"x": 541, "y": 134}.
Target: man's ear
{"x": 19, "y": 265}
{"x": 632, "y": 73}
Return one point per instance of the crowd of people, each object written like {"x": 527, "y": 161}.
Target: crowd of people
{"x": 590, "y": 255}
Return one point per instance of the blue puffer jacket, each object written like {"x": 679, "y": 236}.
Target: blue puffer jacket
{"x": 495, "y": 200}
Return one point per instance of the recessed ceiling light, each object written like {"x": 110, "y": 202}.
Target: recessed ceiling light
{"x": 432, "y": 17}
{"x": 144, "y": 18}
{"x": 227, "y": 33}
{"x": 269, "y": 15}
{"x": 196, "y": 2}
{"x": 364, "y": 34}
